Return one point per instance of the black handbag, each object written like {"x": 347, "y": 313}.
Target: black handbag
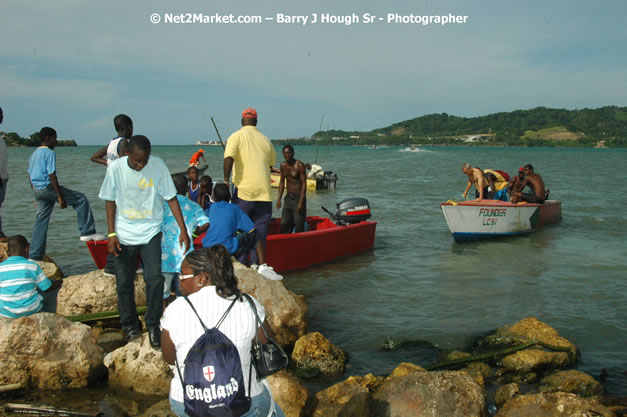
{"x": 267, "y": 358}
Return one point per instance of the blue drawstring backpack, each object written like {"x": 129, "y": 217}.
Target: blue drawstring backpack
{"x": 213, "y": 385}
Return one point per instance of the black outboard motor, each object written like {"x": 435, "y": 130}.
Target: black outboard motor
{"x": 351, "y": 210}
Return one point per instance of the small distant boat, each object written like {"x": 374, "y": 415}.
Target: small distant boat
{"x": 201, "y": 170}
{"x": 471, "y": 220}
{"x": 275, "y": 179}
{"x": 208, "y": 143}
{"x": 326, "y": 182}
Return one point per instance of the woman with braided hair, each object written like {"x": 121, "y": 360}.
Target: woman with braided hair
{"x": 208, "y": 280}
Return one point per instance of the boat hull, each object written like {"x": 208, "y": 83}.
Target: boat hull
{"x": 470, "y": 220}
{"x": 201, "y": 171}
{"x": 323, "y": 242}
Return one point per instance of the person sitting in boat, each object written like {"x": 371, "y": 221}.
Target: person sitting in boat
{"x": 194, "y": 161}
{"x": 536, "y": 183}
{"x": 295, "y": 207}
{"x": 498, "y": 182}
{"x": 314, "y": 171}
{"x": 514, "y": 183}
{"x": 24, "y": 288}
{"x": 231, "y": 227}
{"x": 193, "y": 185}
{"x": 476, "y": 178}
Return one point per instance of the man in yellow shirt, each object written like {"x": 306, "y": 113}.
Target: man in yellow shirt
{"x": 249, "y": 155}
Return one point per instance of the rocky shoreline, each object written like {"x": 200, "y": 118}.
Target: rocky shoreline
{"x": 49, "y": 352}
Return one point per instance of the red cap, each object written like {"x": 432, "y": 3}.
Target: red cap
{"x": 249, "y": 113}
{"x": 521, "y": 169}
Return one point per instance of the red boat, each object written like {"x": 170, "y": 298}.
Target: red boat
{"x": 324, "y": 240}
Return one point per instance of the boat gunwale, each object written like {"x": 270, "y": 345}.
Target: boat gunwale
{"x": 499, "y": 203}
{"x": 310, "y": 233}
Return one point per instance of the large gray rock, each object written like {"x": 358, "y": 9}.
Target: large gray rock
{"x": 160, "y": 409}
{"x": 50, "y": 268}
{"x": 285, "y": 310}
{"x": 350, "y": 397}
{"x": 47, "y": 351}
{"x": 93, "y": 293}
{"x": 140, "y": 368}
{"x": 536, "y": 357}
{"x": 506, "y": 393}
{"x": 288, "y": 393}
{"x": 313, "y": 350}
{"x": 573, "y": 381}
{"x": 553, "y": 405}
{"x": 429, "y": 394}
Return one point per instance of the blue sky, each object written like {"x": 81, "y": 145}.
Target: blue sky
{"x": 74, "y": 65}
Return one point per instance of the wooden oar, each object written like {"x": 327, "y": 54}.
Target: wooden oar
{"x": 219, "y": 137}
{"x": 91, "y": 317}
{"x": 45, "y": 410}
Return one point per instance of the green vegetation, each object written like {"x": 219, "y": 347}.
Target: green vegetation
{"x": 536, "y": 127}
{"x": 13, "y": 139}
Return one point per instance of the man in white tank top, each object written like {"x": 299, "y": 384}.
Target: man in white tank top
{"x": 117, "y": 146}
{"x": 114, "y": 150}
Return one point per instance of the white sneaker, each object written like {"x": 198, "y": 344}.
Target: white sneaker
{"x": 268, "y": 272}
{"x": 95, "y": 236}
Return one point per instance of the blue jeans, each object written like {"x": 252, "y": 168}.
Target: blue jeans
{"x": 125, "y": 268}
{"x": 49, "y": 302}
{"x": 260, "y": 212}
{"x": 45, "y": 200}
{"x": 259, "y": 406}
{"x": 3, "y": 193}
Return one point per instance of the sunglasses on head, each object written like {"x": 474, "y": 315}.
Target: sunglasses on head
{"x": 182, "y": 277}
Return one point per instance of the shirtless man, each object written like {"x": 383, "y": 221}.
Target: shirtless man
{"x": 514, "y": 184}
{"x": 536, "y": 183}
{"x": 475, "y": 176}
{"x": 294, "y": 212}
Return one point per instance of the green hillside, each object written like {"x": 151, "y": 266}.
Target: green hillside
{"x": 536, "y": 127}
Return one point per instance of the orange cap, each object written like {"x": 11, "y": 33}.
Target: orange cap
{"x": 249, "y": 113}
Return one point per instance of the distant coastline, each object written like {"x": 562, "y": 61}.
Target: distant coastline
{"x": 538, "y": 127}
{"x": 13, "y": 140}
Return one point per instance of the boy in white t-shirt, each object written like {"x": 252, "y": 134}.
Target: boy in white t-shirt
{"x": 135, "y": 188}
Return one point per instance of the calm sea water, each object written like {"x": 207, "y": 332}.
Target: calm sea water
{"x": 417, "y": 283}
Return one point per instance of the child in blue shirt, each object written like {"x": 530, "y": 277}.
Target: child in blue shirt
{"x": 193, "y": 191}
{"x": 231, "y": 227}
{"x": 172, "y": 254}
{"x": 21, "y": 282}
{"x": 42, "y": 170}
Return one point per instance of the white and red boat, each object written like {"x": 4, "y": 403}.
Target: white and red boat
{"x": 472, "y": 220}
